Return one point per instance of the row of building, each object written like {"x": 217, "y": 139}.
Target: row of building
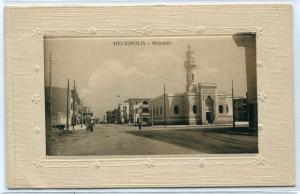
{"x": 152, "y": 112}
{"x": 132, "y": 111}
{"x": 200, "y": 104}
{"x": 64, "y": 108}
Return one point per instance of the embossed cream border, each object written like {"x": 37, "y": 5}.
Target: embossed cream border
{"x": 28, "y": 166}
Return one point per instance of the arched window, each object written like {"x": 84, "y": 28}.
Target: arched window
{"x": 195, "y": 109}
{"x": 176, "y": 109}
{"x": 227, "y": 108}
{"x": 220, "y": 108}
{"x": 161, "y": 110}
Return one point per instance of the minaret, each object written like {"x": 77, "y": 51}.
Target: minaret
{"x": 190, "y": 67}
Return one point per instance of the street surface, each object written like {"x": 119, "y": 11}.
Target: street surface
{"x": 111, "y": 139}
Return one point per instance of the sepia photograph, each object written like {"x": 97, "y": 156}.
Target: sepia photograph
{"x": 164, "y": 96}
{"x": 107, "y": 96}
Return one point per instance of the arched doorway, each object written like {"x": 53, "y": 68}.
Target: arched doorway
{"x": 209, "y": 109}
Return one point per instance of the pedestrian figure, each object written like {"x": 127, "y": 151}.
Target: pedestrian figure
{"x": 88, "y": 123}
{"x": 140, "y": 124}
{"x": 73, "y": 121}
{"x": 92, "y": 124}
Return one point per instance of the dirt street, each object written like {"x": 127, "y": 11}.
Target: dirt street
{"x": 128, "y": 140}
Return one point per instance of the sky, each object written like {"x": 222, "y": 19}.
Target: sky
{"x": 103, "y": 71}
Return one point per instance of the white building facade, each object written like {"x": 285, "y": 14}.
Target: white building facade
{"x": 123, "y": 113}
{"x": 138, "y": 109}
{"x": 200, "y": 104}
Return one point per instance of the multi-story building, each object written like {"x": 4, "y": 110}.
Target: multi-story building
{"x": 248, "y": 41}
{"x": 76, "y": 106}
{"x": 108, "y": 117}
{"x": 112, "y": 116}
{"x": 86, "y": 111}
{"x": 241, "y": 109}
{"x": 104, "y": 120}
{"x": 138, "y": 110}
{"x": 123, "y": 113}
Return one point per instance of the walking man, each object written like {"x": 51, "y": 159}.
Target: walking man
{"x": 140, "y": 124}
{"x": 88, "y": 123}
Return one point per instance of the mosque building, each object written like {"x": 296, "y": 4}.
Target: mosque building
{"x": 200, "y": 104}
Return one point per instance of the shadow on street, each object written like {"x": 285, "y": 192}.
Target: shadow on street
{"x": 211, "y": 141}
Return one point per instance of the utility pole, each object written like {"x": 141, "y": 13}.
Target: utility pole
{"x": 134, "y": 115}
{"x": 233, "y": 115}
{"x": 165, "y": 119}
{"x": 68, "y": 91}
{"x": 152, "y": 116}
{"x": 50, "y": 95}
{"x": 73, "y": 107}
{"x": 81, "y": 112}
{"x": 85, "y": 113}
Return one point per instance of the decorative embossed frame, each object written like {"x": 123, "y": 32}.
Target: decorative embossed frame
{"x": 28, "y": 165}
